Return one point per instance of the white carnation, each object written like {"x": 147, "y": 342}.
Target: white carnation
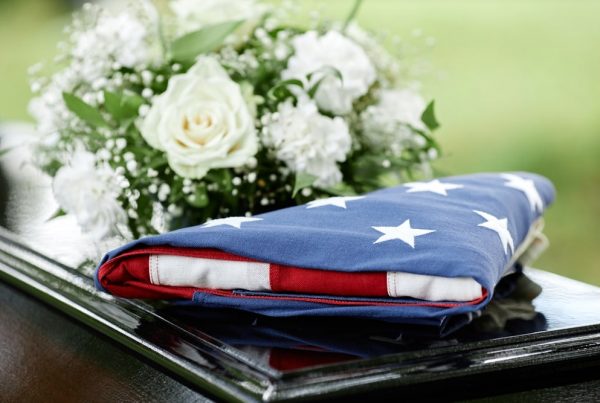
{"x": 90, "y": 194}
{"x": 314, "y": 53}
{"x": 193, "y": 15}
{"x": 309, "y": 142}
{"x": 389, "y": 124}
{"x": 202, "y": 121}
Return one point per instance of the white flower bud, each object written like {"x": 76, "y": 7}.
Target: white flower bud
{"x": 120, "y": 143}
{"x": 147, "y": 93}
{"x": 147, "y": 77}
{"x": 131, "y": 165}
{"x": 144, "y": 109}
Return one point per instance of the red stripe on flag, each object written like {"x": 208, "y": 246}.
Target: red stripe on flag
{"x": 327, "y": 282}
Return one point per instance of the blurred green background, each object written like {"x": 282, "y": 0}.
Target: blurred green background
{"x": 516, "y": 83}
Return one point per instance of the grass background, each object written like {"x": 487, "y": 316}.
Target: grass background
{"x": 516, "y": 83}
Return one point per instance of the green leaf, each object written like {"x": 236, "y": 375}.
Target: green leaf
{"x": 327, "y": 71}
{"x": 84, "y": 111}
{"x": 341, "y": 189}
{"x": 281, "y": 91}
{"x": 207, "y": 39}
{"x": 5, "y": 151}
{"x": 222, "y": 177}
{"x": 59, "y": 213}
{"x": 302, "y": 181}
{"x": 352, "y": 14}
{"x": 367, "y": 169}
{"x": 122, "y": 105}
{"x": 200, "y": 197}
{"x": 428, "y": 117}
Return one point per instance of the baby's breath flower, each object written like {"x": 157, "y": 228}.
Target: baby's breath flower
{"x": 120, "y": 143}
{"x": 147, "y": 92}
{"x": 163, "y": 192}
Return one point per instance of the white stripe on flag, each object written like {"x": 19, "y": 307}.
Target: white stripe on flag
{"x": 432, "y": 288}
{"x": 186, "y": 271}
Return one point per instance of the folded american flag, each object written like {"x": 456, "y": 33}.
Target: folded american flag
{"x": 416, "y": 253}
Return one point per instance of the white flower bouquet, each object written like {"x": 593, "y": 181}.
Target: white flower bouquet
{"x": 154, "y": 119}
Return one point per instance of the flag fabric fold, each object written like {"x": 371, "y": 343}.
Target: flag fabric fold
{"x": 416, "y": 253}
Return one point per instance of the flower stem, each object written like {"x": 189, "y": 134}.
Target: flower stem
{"x": 352, "y": 15}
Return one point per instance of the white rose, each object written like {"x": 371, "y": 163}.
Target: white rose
{"x": 90, "y": 194}
{"x": 201, "y": 121}
{"x": 309, "y": 142}
{"x": 193, "y": 15}
{"x": 313, "y": 53}
{"x": 389, "y": 123}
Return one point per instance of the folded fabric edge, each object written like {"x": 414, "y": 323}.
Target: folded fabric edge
{"x": 534, "y": 244}
{"x": 167, "y": 272}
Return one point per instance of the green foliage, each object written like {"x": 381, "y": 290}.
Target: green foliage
{"x": 302, "y": 181}
{"x": 366, "y": 170}
{"x": 4, "y": 151}
{"x": 200, "y": 197}
{"x": 327, "y": 71}
{"x": 59, "y": 213}
{"x": 281, "y": 91}
{"x": 222, "y": 177}
{"x": 341, "y": 189}
{"x": 122, "y": 105}
{"x": 352, "y": 15}
{"x": 428, "y": 117}
{"x": 207, "y": 39}
{"x": 83, "y": 110}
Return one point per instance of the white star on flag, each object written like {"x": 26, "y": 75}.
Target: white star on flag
{"x": 434, "y": 186}
{"x": 235, "y": 222}
{"x": 333, "y": 201}
{"x": 403, "y": 232}
{"x": 527, "y": 186}
{"x": 500, "y": 226}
